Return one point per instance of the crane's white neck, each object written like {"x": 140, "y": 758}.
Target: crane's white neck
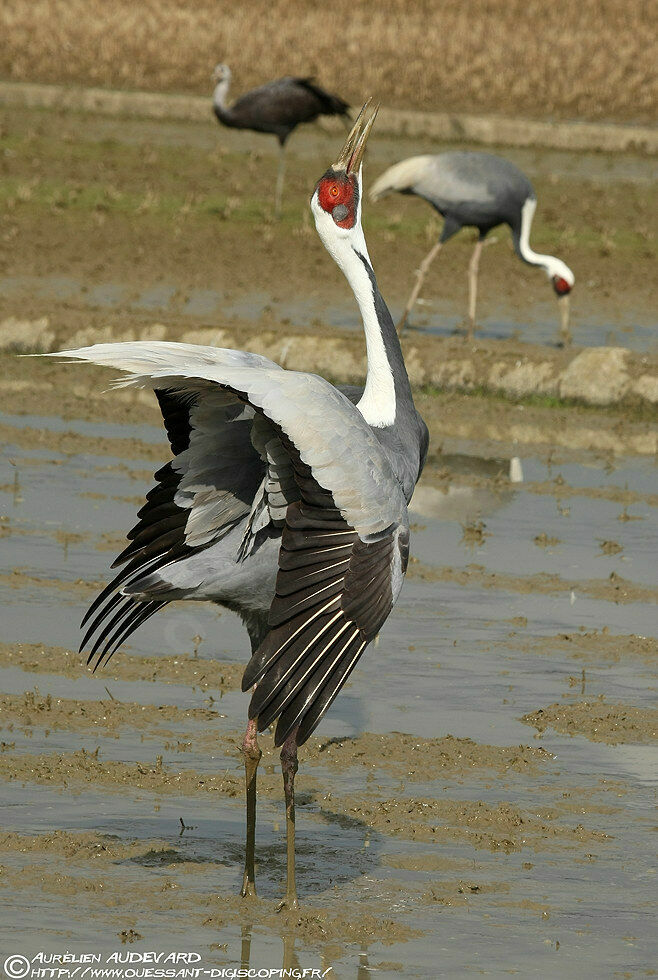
{"x": 552, "y": 265}
{"x": 349, "y": 250}
{"x": 220, "y": 95}
{"x": 378, "y": 402}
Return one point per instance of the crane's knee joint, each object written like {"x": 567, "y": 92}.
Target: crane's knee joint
{"x": 251, "y": 750}
{"x": 289, "y": 762}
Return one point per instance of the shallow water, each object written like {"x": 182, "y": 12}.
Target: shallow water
{"x": 536, "y": 322}
{"x": 469, "y": 660}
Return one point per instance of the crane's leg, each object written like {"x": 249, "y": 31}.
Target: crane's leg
{"x": 289, "y": 767}
{"x": 421, "y": 272}
{"x": 565, "y": 331}
{"x": 279, "y": 181}
{"x": 473, "y": 269}
{"x": 473, "y": 272}
{"x": 251, "y": 753}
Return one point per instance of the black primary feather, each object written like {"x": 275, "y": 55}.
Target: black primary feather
{"x": 333, "y": 593}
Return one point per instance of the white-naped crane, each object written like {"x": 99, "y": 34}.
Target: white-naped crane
{"x": 482, "y": 191}
{"x": 286, "y": 501}
{"x": 277, "y": 107}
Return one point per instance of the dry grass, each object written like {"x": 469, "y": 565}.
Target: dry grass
{"x": 538, "y": 58}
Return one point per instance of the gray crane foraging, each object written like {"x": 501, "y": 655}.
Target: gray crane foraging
{"x": 277, "y": 107}
{"x": 285, "y": 501}
{"x": 477, "y": 190}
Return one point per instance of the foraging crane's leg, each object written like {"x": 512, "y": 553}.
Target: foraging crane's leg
{"x": 289, "y": 767}
{"x": 565, "y": 332}
{"x": 279, "y": 180}
{"x": 421, "y": 272}
{"x": 252, "y": 754}
{"x": 473, "y": 269}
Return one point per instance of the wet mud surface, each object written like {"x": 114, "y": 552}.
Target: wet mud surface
{"x": 484, "y": 773}
{"x": 481, "y": 793}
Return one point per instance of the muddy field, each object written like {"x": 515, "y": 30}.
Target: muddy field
{"x": 482, "y": 790}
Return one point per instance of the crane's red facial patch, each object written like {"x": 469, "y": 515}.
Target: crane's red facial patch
{"x": 561, "y": 286}
{"x": 338, "y": 195}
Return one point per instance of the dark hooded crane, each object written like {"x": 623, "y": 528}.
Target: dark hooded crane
{"x": 277, "y": 107}
{"x": 482, "y": 191}
{"x": 286, "y": 501}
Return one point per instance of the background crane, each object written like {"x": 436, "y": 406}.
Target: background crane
{"x": 478, "y": 190}
{"x": 277, "y": 107}
{"x": 285, "y": 502}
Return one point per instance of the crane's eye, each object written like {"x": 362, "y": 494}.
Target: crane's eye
{"x": 338, "y": 197}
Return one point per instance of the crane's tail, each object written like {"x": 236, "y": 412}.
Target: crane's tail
{"x": 332, "y": 105}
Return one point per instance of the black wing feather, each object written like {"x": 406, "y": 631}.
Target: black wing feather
{"x": 159, "y": 537}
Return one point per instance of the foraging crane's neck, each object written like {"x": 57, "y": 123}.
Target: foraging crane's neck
{"x": 387, "y": 391}
{"x": 521, "y": 236}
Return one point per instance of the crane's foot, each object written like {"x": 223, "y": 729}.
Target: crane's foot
{"x": 466, "y": 329}
{"x": 289, "y": 905}
{"x": 248, "y": 889}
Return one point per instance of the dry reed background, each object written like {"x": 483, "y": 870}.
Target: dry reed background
{"x": 541, "y": 58}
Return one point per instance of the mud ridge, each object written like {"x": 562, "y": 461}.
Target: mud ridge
{"x": 422, "y": 759}
{"x": 598, "y": 721}
{"x": 84, "y": 846}
{"x": 613, "y": 589}
{"x": 78, "y": 770}
{"x": 594, "y": 646}
{"x": 501, "y": 827}
{"x": 181, "y": 669}
{"x": 33, "y": 709}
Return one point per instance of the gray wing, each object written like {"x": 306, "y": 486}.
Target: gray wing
{"x": 277, "y": 489}
{"x": 344, "y": 545}
{"x": 329, "y": 432}
{"x": 450, "y": 178}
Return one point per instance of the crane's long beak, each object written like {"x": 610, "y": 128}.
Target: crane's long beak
{"x": 351, "y": 156}
{"x": 565, "y": 330}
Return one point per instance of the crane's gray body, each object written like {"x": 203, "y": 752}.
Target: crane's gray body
{"x": 280, "y": 106}
{"x": 468, "y": 189}
{"x": 479, "y": 190}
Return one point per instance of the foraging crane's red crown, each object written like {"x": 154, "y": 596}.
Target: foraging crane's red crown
{"x": 561, "y": 286}
{"x": 338, "y": 190}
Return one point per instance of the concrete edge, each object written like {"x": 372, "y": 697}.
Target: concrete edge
{"x": 485, "y": 130}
